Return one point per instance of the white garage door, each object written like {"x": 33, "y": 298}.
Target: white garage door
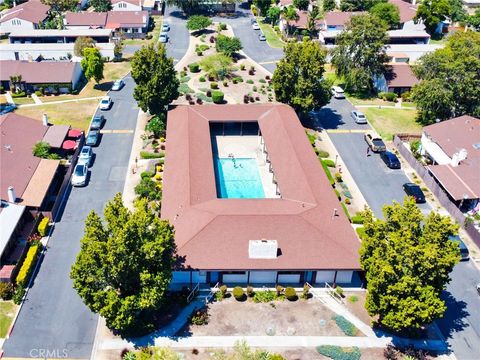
{"x": 344, "y": 277}
{"x": 288, "y": 278}
{"x": 181, "y": 277}
{"x": 263, "y": 277}
{"x": 237, "y": 277}
{"x": 325, "y": 276}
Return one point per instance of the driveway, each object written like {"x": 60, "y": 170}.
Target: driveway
{"x": 380, "y": 185}
{"x": 53, "y": 317}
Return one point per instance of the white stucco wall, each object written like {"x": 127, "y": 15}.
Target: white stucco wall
{"x": 30, "y": 52}
{"x": 125, "y": 6}
{"x": 15, "y": 24}
{"x": 436, "y": 153}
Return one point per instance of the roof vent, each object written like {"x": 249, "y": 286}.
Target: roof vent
{"x": 458, "y": 157}
{"x": 262, "y": 249}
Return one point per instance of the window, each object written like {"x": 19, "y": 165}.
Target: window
{"x": 122, "y": 5}
{"x": 16, "y": 22}
{"x": 234, "y": 272}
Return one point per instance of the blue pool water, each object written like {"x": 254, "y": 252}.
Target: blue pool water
{"x": 239, "y": 179}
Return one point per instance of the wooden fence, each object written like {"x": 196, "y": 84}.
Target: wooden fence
{"x": 432, "y": 184}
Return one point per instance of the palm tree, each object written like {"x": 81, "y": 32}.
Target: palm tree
{"x": 290, "y": 14}
{"x": 15, "y": 82}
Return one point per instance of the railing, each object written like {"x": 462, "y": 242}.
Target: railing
{"x": 314, "y": 293}
{"x": 432, "y": 184}
{"x": 212, "y": 292}
{"x": 193, "y": 293}
{"x": 331, "y": 291}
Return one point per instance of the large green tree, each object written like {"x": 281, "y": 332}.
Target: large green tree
{"x": 155, "y": 77}
{"x": 101, "y": 5}
{"x": 297, "y": 80}
{"x": 92, "y": 64}
{"x": 329, "y": 5}
{"x": 360, "y": 52}
{"x": 198, "y": 22}
{"x": 387, "y": 12}
{"x": 358, "y": 5}
{"x": 290, "y": 15}
{"x": 457, "y": 10}
{"x": 262, "y": 5}
{"x": 81, "y": 43}
{"x": 124, "y": 266}
{"x": 450, "y": 77}
{"x": 474, "y": 20}
{"x": 273, "y": 14}
{"x": 228, "y": 45}
{"x": 59, "y": 6}
{"x": 407, "y": 259}
{"x": 431, "y": 12}
{"x": 301, "y": 4}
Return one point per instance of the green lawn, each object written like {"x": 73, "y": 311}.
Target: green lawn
{"x": 273, "y": 39}
{"x": 7, "y": 312}
{"x": 23, "y": 100}
{"x": 388, "y": 122}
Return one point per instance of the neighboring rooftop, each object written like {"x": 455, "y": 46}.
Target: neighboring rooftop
{"x": 38, "y": 72}
{"x": 339, "y": 18}
{"x": 60, "y": 33}
{"x": 92, "y": 19}
{"x": 116, "y": 19}
{"x": 400, "y": 75}
{"x": 32, "y": 11}
{"x": 406, "y": 9}
{"x": 452, "y": 136}
{"x": 214, "y": 234}
{"x": 10, "y": 215}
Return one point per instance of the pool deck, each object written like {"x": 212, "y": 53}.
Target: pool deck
{"x": 247, "y": 146}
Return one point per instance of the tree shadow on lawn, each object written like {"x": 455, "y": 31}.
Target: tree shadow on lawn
{"x": 105, "y": 86}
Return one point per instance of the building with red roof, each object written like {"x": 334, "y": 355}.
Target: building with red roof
{"x": 290, "y": 229}
{"x": 24, "y": 16}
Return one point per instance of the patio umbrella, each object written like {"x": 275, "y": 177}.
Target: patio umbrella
{"x": 74, "y": 133}
{"x": 69, "y": 145}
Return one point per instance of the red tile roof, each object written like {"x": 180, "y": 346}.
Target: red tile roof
{"x": 92, "y": 19}
{"x": 33, "y": 11}
{"x": 213, "y": 233}
{"x": 133, "y": 2}
{"x": 117, "y": 19}
{"x": 400, "y": 75}
{"x": 339, "y": 18}
{"x": 18, "y": 135}
{"x": 38, "y": 72}
{"x": 407, "y": 10}
{"x": 453, "y": 135}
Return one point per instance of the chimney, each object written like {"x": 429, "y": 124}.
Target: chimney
{"x": 45, "y": 119}
{"x": 11, "y": 195}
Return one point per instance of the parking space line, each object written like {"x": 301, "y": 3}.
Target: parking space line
{"x": 119, "y": 131}
{"x": 346, "y": 131}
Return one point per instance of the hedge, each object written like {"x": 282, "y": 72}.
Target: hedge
{"x": 358, "y": 219}
{"x": 238, "y": 293}
{"x": 18, "y": 94}
{"x": 149, "y": 155}
{"x": 346, "y": 211}
{"x": 323, "y": 154}
{"x": 339, "y": 353}
{"x": 43, "y": 226}
{"x": 360, "y": 232}
{"x": 217, "y": 97}
{"x": 329, "y": 175}
{"x": 194, "y": 67}
{"x": 28, "y": 264}
{"x": 329, "y": 163}
{"x": 346, "y": 326}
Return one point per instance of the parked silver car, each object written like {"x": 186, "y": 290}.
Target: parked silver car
{"x": 163, "y": 38}
{"x": 359, "y": 117}
{"x": 117, "y": 85}
{"x": 85, "y": 156}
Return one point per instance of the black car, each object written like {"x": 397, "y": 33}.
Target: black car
{"x": 414, "y": 190}
{"x": 97, "y": 122}
{"x": 92, "y": 138}
{"x": 390, "y": 159}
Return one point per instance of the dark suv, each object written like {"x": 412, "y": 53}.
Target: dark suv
{"x": 390, "y": 159}
{"x": 414, "y": 190}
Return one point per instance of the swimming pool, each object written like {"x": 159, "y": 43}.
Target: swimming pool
{"x": 238, "y": 178}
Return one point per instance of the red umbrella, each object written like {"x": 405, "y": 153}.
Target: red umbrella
{"x": 69, "y": 145}
{"x": 73, "y": 133}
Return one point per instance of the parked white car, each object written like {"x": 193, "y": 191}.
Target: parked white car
{"x": 165, "y": 28}
{"x": 85, "y": 156}
{"x": 79, "y": 176}
{"x": 117, "y": 85}
{"x": 359, "y": 117}
{"x": 338, "y": 92}
{"x": 255, "y": 26}
{"x": 163, "y": 38}
{"x": 105, "y": 103}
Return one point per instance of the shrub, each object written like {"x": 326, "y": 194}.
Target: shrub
{"x": 338, "y": 353}
{"x": 18, "y": 295}
{"x": 250, "y": 291}
{"x": 323, "y": 154}
{"x": 150, "y": 155}
{"x": 358, "y": 219}
{"x": 148, "y": 189}
{"x": 28, "y": 264}
{"x": 18, "y": 94}
{"x": 254, "y": 88}
{"x": 305, "y": 292}
{"x": 38, "y": 93}
{"x": 217, "y": 97}
{"x": 264, "y": 296}
{"x": 353, "y": 298}
{"x": 213, "y": 85}
{"x": 406, "y": 96}
{"x": 199, "y": 53}
{"x": 146, "y": 174}
{"x": 361, "y": 232}
{"x": 329, "y": 163}
{"x": 388, "y": 96}
{"x": 279, "y": 289}
{"x": 222, "y": 26}
{"x": 327, "y": 172}
{"x": 194, "y": 67}
{"x": 242, "y": 66}
{"x": 345, "y": 210}
{"x": 339, "y": 291}
{"x": 346, "y": 326}
{"x": 338, "y": 177}
{"x": 347, "y": 201}
{"x": 225, "y": 83}
{"x": 43, "y": 226}
{"x": 239, "y": 79}
{"x": 6, "y": 290}
{"x": 202, "y": 79}
{"x": 249, "y": 81}
{"x": 199, "y": 317}
{"x": 238, "y": 293}
{"x": 262, "y": 81}
{"x": 291, "y": 294}
{"x": 339, "y": 197}
{"x": 223, "y": 289}
{"x": 2, "y": 90}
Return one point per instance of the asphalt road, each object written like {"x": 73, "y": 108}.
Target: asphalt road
{"x": 379, "y": 185}
{"x": 179, "y": 36}
{"x": 53, "y": 316}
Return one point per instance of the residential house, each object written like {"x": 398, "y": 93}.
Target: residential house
{"x": 336, "y": 20}
{"x": 29, "y": 184}
{"x": 85, "y": 20}
{"x": 454, "y": 148}
{"x": 137, "y": 5}
{"x": 46, "y": 74}
{"x": 296, "y": 27}
{"x": 28, "y": 15}
{"x": 398, "y": 78}
{"x": 52, "y": 36}
{"x": 283, "y": 225}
